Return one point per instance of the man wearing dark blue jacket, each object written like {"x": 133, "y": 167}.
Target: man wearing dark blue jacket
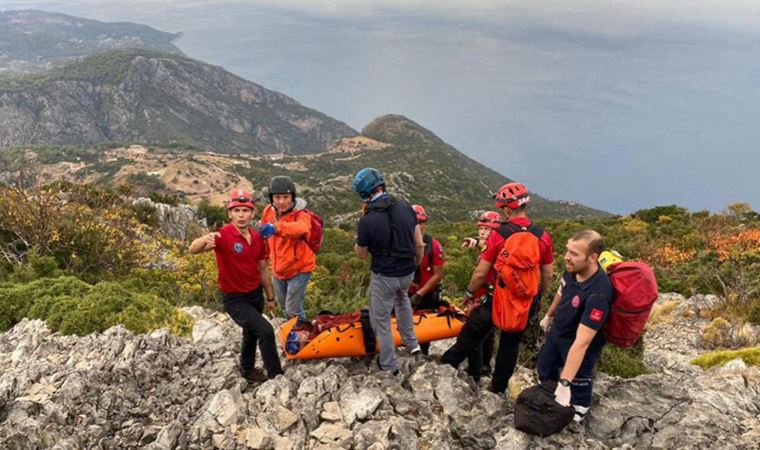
{"x": 577, "y": 314}
{"x": 389, "y": 232}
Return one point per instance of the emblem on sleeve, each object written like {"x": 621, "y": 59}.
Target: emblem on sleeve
{"x": 596, "y": 315}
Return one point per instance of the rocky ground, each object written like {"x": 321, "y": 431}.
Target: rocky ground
{"x": 157, "y": 391}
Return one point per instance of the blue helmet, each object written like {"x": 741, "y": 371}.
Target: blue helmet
{"x": 293, "y": 343}
{"x": 366, "y": 180}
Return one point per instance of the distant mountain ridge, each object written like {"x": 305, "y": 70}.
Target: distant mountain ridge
{"x": 34, "y": 41}
{"x": 416, "y": 164}
{"x": 144, "y": 96}
{"x": 203, "y": 131}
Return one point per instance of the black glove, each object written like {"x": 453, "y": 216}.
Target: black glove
{"x": 415, "y": 299}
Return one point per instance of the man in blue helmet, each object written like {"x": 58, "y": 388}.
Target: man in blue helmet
{"x": 388, "y": 231}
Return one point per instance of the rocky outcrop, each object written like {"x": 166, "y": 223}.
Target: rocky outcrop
{"x": 173, "y": 221}
{"x": 158, "y": 391}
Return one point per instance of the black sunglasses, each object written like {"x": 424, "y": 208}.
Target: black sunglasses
{"x": 242, "y": 200}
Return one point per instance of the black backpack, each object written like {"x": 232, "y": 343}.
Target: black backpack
{"x": 386, "y": 205}
{"x": 537, "y": 413}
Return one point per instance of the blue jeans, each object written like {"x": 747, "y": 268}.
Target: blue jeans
{"x": 551, "y": 360}
{"x": 291, "y": 294}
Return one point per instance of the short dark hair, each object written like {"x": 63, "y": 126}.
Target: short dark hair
{"x": 595, "y": 241}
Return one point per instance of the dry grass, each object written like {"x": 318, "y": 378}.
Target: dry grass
{"x": 662, "y": 313}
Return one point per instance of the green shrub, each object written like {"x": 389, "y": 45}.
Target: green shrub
{"x": 72, "y": 306}
{"x": 623, "y": 362}
{"x": 754, "y": 312}
{"x": 36, "y": 267}
{"x": 339, "y": 284}
{"x": 216, "y": 216}
{"x": 145, "y": 214}
{"x": 109, "y": 304}
{"x": 35, "y": 299}
{"x": 751, "y": 356}
{"x": 90, "y": 233}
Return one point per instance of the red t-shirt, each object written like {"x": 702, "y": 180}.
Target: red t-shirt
{"x": 238, "y": 261}
{"x": 425, "y": 274}
{"x": 495, "y": 242}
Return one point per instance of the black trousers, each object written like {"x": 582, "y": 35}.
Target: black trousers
{"x": 431, "y": 301}
{"x": 469, "y": 345}
{"x": 487, "y": 348}
{"x": 245, "y": 309}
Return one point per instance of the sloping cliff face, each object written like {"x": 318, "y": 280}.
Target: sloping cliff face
{"x": 157, "y": 98}
{"x": 117, "y": 390}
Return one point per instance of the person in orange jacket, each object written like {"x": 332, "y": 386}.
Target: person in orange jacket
{"x": 287, "y": 226}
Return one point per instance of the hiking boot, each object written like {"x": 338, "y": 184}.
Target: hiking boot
{"x": 255, "y": 376}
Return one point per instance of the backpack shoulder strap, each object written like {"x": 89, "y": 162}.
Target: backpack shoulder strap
{"x": 507, "y": 229}
{"x": 429, "y": 250}
{"x": 536, "y": 231}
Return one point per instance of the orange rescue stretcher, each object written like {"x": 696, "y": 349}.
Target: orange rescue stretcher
{"x": 340, "y": 336}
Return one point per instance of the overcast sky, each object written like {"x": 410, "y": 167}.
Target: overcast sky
{"x": 618, "y": 105}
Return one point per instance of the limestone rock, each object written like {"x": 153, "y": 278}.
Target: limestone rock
{"x": 173, "y": 220}
{"x": 255, "y": 438}
{"x": 331, "y": 412}
{"x": 333, "y": 433}
{"x": 157, "y": 391}
{"x": 359, "y": 404}
{"x": 208, "y": 331}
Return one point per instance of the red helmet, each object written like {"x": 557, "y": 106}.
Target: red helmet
{"x": 420, "y": 212}
{"x": 239, "y": 197}
{"x": 490, "y": 219}
{"x": 512, "y": 195}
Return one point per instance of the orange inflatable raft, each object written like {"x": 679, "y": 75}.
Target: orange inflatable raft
{"x": 339, "y": 336}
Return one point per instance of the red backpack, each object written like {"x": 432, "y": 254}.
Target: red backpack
{"x": 635, "y": 292}
{"x": 314, "y": 239}
{"x": 518, "y": 270}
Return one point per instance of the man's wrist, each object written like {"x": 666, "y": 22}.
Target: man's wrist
{"x": 564, "y": 382}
